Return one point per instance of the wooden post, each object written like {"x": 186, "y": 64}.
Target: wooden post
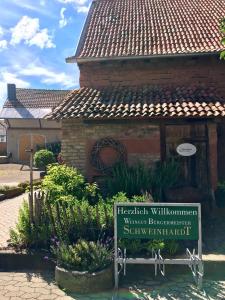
{"x": 212, "y": 152}
{"x": 31, "y": 195}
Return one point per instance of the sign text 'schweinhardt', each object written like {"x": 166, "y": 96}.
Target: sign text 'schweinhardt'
{"x": 157, "y": 221}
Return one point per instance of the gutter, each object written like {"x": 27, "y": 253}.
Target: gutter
{"x": 75, "y": 59}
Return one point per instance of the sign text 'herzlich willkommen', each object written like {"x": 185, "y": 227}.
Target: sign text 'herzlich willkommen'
{"x": 152, "y": 221}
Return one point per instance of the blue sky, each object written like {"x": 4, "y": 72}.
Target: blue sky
{"x": 35, "y": 38}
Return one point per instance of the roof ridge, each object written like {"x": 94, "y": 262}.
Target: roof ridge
{"x": 34, "y": 89}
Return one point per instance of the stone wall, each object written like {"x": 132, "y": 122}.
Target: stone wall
{"x": 141, "y": 140}
{"x": 178, "y": 71}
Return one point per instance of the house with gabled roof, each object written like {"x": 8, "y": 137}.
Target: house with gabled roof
{"x": 151, "y": 80}
{"x": 23, "y": 113}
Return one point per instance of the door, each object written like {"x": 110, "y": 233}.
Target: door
{"x": 193, "y": 169}
{"x": 28, "y": 141}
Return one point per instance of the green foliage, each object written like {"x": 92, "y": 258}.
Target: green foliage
{"x": 63, "y": 182}
{"x": 220, "y": 194}
{"x": 54, "y": 147}
{"x": 83, "y": 256}
{"x": 11, "y": 191}
{"x": 43, "y": 158}
{"x": 139, "y": 180}
{"x": 69, "y": 219}
{"x": 155, "y": 245}
{"x": 6, "y": 188}
{"x": 132, "y": 246}
{"x": 144, "y": 247}
{"x": 133, "y": 180}
{"x": 26, "y": 185}
{"x": 172, "y": 247}
{"x": 165, "y": 176}
{"x": 122, "y": 197}
{"x": 27, "y": 235}
{"x": 139, "y": 246}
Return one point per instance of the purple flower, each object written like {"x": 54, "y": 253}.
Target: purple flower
{"x": 46, "y": 257}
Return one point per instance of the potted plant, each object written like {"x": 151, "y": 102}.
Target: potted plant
{"x": 85, "y": 267}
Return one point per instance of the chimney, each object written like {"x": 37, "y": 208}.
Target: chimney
{"x": 11, "y": 89}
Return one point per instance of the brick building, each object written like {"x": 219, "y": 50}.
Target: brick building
{"x": 23, "y": 113}
{"x": 151, "y": 79}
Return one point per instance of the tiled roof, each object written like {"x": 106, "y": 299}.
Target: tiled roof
{"x": 121, "y": 28}
{"x": 36, "y": 98}
{"x": 140, "y": 102}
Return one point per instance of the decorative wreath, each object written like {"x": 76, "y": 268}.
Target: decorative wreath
{"x": 96, "y": 160}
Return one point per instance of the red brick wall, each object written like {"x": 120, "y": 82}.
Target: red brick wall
{"x": 207, "y": 70}
{"x": 141, "y": 140}
{"x": 146, "y": 150}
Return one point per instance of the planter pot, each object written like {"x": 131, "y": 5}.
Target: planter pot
{"x": 84, "y": 282}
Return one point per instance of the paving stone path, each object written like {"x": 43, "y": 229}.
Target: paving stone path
{"x": 19, "y": 286}
{"x": 9, "y": 211}
{"x": 40, "y": 286}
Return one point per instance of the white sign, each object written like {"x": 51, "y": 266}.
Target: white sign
{"x": 186, "y": 149}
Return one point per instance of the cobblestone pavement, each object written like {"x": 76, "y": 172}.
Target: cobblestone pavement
{"x": 20, "y": 286}
{"x": 9, "y": 210}
{"x": 10, "y": 174}
{"x": 40, "y": 286}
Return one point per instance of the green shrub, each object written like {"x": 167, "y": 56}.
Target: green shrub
{"x": 133, "y": 247}
{"x": 69, "y": 219}
{"x": 155, "y": 245}
{"x": 6, "y": 188}
{"x": 43, "y": 158}
{"x": 172, "y": 247}
{"x": 54, "y": 147}
{"x": 11, "y": 191}
{"x": 140, "y": 180}
{"x": 83, "y": 256}
{"x": 26, "y": 235}
{"x": 62, "y": 181}
{"x": 165, "y": 175}
{"x": 220, "y": 194}
{"x": 133, "y": 180}
{"x": 26, "y": 185}
{"x": 145, "y": 247}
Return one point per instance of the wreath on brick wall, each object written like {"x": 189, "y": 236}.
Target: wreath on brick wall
{"x": 96, "y": 160}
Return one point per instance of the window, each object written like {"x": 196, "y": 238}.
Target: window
{"x": 2, "y": 138}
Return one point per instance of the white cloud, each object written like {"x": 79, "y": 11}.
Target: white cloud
{"x": 81, "y": 6}
{"x": 3, "y": 45}
{"x": 28, "y": 30}
{"x": 79, "y": 2}
{"x": 37, "y": 6}
{"x": 48, "y": 76}
{"x": 83, "y": 9}
{"x": 42, "y": 40}
{"x": 63, "y": 21}
{"x": 1, "y": 31}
